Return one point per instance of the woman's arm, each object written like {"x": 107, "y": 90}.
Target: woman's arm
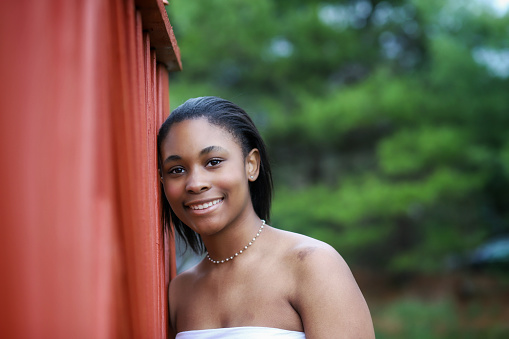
{"x": 328, "y": 298}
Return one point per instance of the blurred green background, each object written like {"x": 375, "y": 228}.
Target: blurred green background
{"x": 386, "y": 122}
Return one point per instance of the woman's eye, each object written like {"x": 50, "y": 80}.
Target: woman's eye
{"x": 176, "y": 170}
{"x": 214, "y": 162}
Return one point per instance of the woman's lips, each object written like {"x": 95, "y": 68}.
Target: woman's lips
{"x": 205, "y": 205}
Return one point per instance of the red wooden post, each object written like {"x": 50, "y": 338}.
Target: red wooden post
{"x": 84, "y": 86}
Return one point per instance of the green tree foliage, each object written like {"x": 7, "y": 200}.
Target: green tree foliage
{"x": 386, "y": 120}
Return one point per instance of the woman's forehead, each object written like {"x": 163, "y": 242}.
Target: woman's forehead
{"x": 197, "y": 133}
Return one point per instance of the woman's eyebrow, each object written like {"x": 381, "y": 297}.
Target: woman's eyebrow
{"x": 172, "y": 158}
{"x": 210, "y": 149}
{"x": 204, "y": 151}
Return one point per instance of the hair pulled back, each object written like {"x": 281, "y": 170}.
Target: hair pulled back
{"x": 235, "y": 120}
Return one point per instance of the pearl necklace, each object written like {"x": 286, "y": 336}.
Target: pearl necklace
{"x": 239, "y": 252}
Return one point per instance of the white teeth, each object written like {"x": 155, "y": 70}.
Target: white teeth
{"x": 205, "y": 205}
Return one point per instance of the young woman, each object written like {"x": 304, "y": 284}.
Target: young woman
{"x": 256, "y": 281}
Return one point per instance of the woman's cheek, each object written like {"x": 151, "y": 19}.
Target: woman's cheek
{"x": 171, "y": 192}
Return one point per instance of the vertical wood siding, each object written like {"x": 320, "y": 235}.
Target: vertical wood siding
{"x": 82, "y": 93}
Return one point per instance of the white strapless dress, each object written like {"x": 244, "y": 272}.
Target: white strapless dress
{"x": 244, "y": 332}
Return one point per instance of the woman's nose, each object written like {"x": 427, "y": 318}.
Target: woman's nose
{"x": 197, "y": 182}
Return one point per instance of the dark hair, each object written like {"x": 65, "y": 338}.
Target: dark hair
{"x": 232, "y": 118}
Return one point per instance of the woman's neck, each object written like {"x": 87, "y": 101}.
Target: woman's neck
{"x": 233, "y": 239}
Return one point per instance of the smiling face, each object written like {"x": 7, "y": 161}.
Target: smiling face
{"x": 205, "y": 175}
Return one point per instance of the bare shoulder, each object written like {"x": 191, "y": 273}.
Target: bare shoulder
{"x": 181, "y": 285}
{"x": 178, "y": 290}
{"x": 183, "y": 278}
{"x": 304, "y": 253}
{"x": 326, "y": 295}
{"x": 313, "y": 262}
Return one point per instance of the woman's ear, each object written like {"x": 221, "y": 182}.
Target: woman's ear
{"x": 253, "y": 164}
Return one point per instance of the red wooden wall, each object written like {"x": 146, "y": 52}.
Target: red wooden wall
{"x": 83, "y": 89}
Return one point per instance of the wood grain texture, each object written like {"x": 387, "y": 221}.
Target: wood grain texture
{"x": 83, "y": 91}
